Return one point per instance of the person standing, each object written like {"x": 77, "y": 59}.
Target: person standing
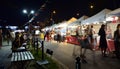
{"x": 59, "y": 37}
{"x": 42, "y": 35}
{"x": 16, "y": 42}
{"x": 117, "y": 41}
{"x": 103, "y": 41}
{"x": 91, "y": 36}
{"x": 0, "y": 38}
{"x": 47, "y": 36}
{"x": 78, "y": 31}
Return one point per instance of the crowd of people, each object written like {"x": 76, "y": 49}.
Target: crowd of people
{"x": 85, "y": 35}
{"x": 15, "y": 39}
{"x": 18, "y": 38}
{"x": 53, "y": 35}
{"x": 88, "y": 39}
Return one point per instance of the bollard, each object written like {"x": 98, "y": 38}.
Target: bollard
{"x": 78, "y": 63}
{"x": 34, "y": 43}
{"x": 42, "y": 50}
{"x": 43, "y": 59}
{"x": 37, "y": 45}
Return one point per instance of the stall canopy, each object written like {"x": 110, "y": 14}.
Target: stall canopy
{"x": 99, "y": 17}
{"x": 113, "y": 15}
{"x": 77, "y": 22}
{"x": 63, "y": 26}
{"x": 66, "y": 23}
{"x": 73, "y": 19}
{"x": 115, "y": 12}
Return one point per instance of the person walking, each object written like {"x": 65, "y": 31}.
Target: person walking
{"x": 91, "y": 33}
{"x": 103, "y": 41}
{"x": 117, "y": 41}
{"x": 47, "y": 36}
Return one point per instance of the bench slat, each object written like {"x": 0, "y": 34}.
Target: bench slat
{"x": 22, "y": 57}
{"x": 31, "y": 55}
{"x": 25, "y": 57}
{"x": 12, "y": 59}
{"x": 19, "y": 56}
{"x": 28, "y": 56}
{"x": 15, "y": 56}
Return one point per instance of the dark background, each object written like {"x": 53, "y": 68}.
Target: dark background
{"x": 11, "y": 10}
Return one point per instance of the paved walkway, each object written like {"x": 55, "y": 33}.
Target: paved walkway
{"x": 65, "y": 54}
{"x": 5, "y": 52}
{"x": 5, "y": 57}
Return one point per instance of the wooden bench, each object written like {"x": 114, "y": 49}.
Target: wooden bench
{"x": 21, "y": 59}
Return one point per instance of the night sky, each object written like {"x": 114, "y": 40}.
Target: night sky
{"x": 11, "y": 10}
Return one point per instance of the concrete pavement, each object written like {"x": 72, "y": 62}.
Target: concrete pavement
{"x": 65, "y": 53}
{"x": 5, "y": 52}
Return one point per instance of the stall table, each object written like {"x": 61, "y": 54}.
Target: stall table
{"x": 111, "y": 46}
{"x": 72, "y": 40}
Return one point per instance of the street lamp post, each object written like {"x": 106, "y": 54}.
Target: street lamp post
{"x": 91, "y": 9}
{"x": 28, "y": 14}
{"x": 91, "y": 6}
{"x": 51, "y": 18}
{"x": 77, "y": 15}
{"x": 29, "y": 26}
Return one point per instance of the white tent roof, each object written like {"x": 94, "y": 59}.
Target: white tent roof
{"x": 78, "y": 21}
{"x": 82, "y": 18}
{"x": 65, "y": 23}
{"x": 99, "y": 17}
{"x": 115, "y": 12}
{"x": 73, "y": 19}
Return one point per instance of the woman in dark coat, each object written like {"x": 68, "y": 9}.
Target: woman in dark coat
{"x": 103, "y": 41}
{"x": 117, "y": 41}
{"x": 16, "y": 42}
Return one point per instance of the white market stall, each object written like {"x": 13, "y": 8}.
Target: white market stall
{"x": 77, "y": 22}
{"x": 72, "y": 26}
{"x": 113, "y": 18}
{"x": 115, "y": 12}
{"x": 99, "y": 17}
{"x": 64, "y": 26}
